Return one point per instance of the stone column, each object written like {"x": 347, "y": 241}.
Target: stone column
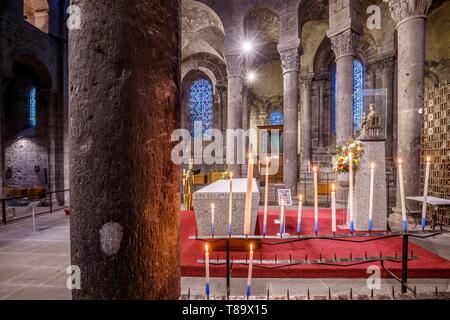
{"x": 305, "y": 150}
{"x": 386, "y": 70}
{"x": 410, "y": 18}
{"x": 2, "y": 152}
{"x": 290, "y": 60}
{"x": 235, "y": 70}
{"x": 343, "y": 46}
{"x": 124, "y": 104}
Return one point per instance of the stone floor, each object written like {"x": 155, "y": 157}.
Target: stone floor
{"x": 33, "y": 266}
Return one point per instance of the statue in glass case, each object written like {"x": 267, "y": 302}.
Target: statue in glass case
{"x": 372, "y": 125}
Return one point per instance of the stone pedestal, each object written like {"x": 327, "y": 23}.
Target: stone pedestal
{"x": 218, "y": 193}
{"x": 374, "y": 152}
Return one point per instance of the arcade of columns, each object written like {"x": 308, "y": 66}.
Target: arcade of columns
{"x": 139, "y": 113}
{"x": 345, "y": 31}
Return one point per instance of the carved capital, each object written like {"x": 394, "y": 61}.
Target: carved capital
{"x": 235, "y": 66}
{"x": 386, "y": 65}
{"x": 345, "y": 44}
{"x": 290, "y": 60}
{"x": 404, "y": 9}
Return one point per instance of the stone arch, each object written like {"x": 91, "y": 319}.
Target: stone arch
{"x": 213, "y": 67}
{"x": 36, "y": 12}
{"x": 279, "y": 7}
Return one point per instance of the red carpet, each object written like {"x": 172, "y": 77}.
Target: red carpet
{"x": 426, "y": 265}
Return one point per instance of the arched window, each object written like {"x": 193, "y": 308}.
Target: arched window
{"x": 276, "y": 118}
{"x": 201, "y": 108}
{"x": 358, "y": 92}
{"x": 333, "y": 99}
{"x": 32, "y": 107}
{"x": 35, "y": 12}
{"x": 358, "y": 96}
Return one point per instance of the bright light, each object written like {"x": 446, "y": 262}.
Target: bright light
{"x": 251, "y": 76}
{"x": 247, "y": 46}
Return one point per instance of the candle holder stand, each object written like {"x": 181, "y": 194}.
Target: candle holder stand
{"x": 275, "y": 263}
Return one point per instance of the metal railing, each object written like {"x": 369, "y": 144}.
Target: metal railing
{"x": 22, "y": 202}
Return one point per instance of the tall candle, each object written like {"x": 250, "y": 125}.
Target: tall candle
{"x": 248, "y": 196}
{"x": 282, "y": 218}
{"x": 206, "y": 270}
{"x": 316, "y": 202}
{"x": 372, "y": 177}
{"x": 230, "y": 206}
{"x": 299, "y": 214}
{"x": 425, "y": 193}
{"x": 250, "y": 269}
{"x": 402, "y": 195}
{"x": 350, "y": 191}
{"x": 333, "y": 208}
{"x": 212, "y": 218}
{"x": 266, "y": 196}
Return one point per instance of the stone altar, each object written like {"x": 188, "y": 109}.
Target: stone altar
{"x": 218, "y": 193}
{"x": 374, "y": 151}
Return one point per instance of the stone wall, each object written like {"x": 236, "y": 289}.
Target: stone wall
{"x": 22, "y": 156}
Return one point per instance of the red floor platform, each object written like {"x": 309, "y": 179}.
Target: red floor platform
{"x": 425, "y": 265}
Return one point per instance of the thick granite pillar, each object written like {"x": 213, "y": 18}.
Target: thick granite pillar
{"x": 124, "y": 103}
{"x": 2, "y": 173}
{"x": 305, "y": 128}
{"x": 290, "y": 60}
{"x": 343, "y": 46}
{"x": 235, "y": 69}
{"x": 386, "y": 69}
{"x": 410, "y": 18}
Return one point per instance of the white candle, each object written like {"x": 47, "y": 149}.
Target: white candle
{"x": 372, "y": 177}
{"x": 248, "y": 196}
{"x": 350, "y": 191}
{"x": 299, "y": 214}
{"x": 250, "y": 269}
{"x": 230, "y": 205}
{"x": 316, "y": 202}
{"x": 309, "y": 166}
{"x": 212, "y": 218}
{"x": 282, "y": 218}
{"x": 402, "y": 195}
{"x": 425, "y": 193}
{"x": 266, "y": 196}
{"x": 333, "y": 208}
{"x": 206, "y": 270}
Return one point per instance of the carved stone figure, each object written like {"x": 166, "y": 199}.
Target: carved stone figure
{"x": 372, "y": 126}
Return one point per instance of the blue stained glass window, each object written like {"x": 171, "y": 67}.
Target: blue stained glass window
{"x": 201, "y": 108}
{"x": 333, "y": 99}
{"x": 358, "y": 91}
{"x": 32, "y": 107}
{"x": 276, "y": 118}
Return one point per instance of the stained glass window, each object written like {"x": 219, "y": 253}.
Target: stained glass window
{"x": 201, "y": 108}
{"x": 276, "y": 118}
{"x": 32, "y": 107}
{"x": 333, "y": 99}
{"x": 358, "y": 91}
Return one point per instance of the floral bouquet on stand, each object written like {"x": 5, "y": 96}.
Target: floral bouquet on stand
{"x": 341, "y": 161}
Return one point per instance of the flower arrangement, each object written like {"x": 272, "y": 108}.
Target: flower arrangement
{"x": 341, "y": 161}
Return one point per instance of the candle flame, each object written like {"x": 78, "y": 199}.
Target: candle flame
{"x": 428, "y": 159}
{"x": 251, "y": 247}
{"x": 372, "y": 165}
{"x": 333, "y": 187}
{"x": 206, "y": 247}
{"x": 300, "y": 197}
{"x": 231, "y": 175}
{"x": 315, "y": 169}
{"x": 399, "y": 161}
{"x": 212, "y": 205}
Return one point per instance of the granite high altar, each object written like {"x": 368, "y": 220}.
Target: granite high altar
{"x": 218, "y": 193}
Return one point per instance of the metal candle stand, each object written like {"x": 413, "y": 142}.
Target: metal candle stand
{"x": 350, "y": 261}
